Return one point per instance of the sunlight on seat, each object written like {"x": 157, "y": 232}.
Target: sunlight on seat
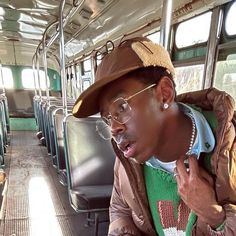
{"x": 43, "y": 220}
{"x": 83, "y": 171}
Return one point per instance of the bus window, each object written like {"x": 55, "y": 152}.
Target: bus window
{"x": 99, "y": 58}
{"x": 225, "y": 76}
{"x": 230, "y": 20}
{"x": 7, "y": 78}
{"x": 86, "y": 74}
{"x": 186, "y": 36}
{"x": 86, "y": 83}
{"x": 27, "y": 78}
{"x": 189, "y": 78}
{"x": 87, "y": 66}
{"x": 155, "y": 37}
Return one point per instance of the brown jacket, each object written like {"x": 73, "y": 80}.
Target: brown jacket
{"x": 129, "y": 209}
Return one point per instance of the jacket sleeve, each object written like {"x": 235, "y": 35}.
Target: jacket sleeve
{"x": 228, "y": 228}
{"x": 226, "y": 181}
{"x": 121, "y": 222}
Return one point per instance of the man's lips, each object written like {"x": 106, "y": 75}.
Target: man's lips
{"x": 128, "y": 148}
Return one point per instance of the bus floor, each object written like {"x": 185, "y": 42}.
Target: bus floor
{"x": 34, "y": 202}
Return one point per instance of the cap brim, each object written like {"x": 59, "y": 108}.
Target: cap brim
{"x": 87, "y": 103}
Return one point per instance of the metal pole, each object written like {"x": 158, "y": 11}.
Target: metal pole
{"x": 34, "y": 75}
{"x": 215, "y": 29}
{"x": 45, "y": 67}
{"x": 93, "y": 63}
{"x": 165, "y": 23}
{"x": 74, "y": 80}
{"x": 37, "y": 63}
{"x": 66, "y": 20}
{"x": 80, "y": 80}
{"x": 3, "y": 85}
{"x": 71, "y": 81}
{"x": 75, "y": 76}
{"x": 62, "y": 58}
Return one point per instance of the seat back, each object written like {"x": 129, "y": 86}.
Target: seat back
{"x": 58, "y": 117}
{"x": 89, "y": 158}
{"x": 3, "y": 133}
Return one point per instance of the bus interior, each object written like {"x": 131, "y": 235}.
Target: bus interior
{"x": 56, "y": 173}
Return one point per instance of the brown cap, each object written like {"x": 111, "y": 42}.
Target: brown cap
{"x": 130, "y": 55}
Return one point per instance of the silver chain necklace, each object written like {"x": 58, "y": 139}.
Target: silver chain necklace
{"x": 192, "y": 135}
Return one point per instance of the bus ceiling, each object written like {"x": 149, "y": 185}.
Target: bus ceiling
{"x": 23, "y": 23}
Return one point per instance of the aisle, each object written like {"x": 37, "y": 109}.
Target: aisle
{"x": 35, "y": 203}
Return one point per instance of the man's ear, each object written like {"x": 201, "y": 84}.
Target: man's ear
{"x": 166, "y": 90}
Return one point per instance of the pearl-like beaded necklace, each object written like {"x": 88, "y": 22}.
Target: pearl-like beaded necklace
{"x": 192, "y": 135}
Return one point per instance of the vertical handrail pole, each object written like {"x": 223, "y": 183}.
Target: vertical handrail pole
{"x": 2, "y": 79}
{"x": 37, "y": 64}
{"x": 211, "y": 55}
{"x": 75, "y": 75}
{"x": 45, "y": 67}
{"x": 74, "y": 81}
{"x": 71, "y": 81}
{"x": 80, "y": 79}
{"x": 62, "y": 58}
{"x": 34, "y": 75}
{"x": 165, "y": 23}
{"x": 93, "y": 63}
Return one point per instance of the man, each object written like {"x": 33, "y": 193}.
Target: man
{"x": 175, "y": 171}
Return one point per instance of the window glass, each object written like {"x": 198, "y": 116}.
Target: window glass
{"x": 155, "y": 37}
{"x": 86, "y": 84}
{"x": 99, "y": 58}
{"x": 189, "y": 78}
{"x": 193, "y": 31}
{"x": 7, "y": 78}
{"x": 87, "y": 65}
{"x": 225, "y": 76}
{"x": 230, "y": 25}
{"x": 27, "y": 78}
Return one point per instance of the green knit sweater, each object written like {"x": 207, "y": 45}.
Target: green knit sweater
{"x": 170, "y": 214}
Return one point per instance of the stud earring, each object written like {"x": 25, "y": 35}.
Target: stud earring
{"x": 165, "y": 106}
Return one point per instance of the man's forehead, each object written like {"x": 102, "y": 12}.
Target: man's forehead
{"x": 113, "y": 91}
{"x": 108, "y": 96}
{"x": 116, "y": 88}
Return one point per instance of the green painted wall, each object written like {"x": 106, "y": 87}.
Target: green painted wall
{"x": 23, "y": 124}
{"x": 189, "y": 53}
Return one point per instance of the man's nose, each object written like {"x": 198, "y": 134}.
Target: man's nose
{"x": 116, "y": 127}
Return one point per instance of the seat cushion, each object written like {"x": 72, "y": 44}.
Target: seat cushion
{"x": 91, "y": 197}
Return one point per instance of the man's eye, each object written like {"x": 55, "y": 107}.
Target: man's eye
{"x": 123, "y": 107}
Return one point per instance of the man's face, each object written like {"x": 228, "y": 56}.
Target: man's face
{"x": 137, "y": 138}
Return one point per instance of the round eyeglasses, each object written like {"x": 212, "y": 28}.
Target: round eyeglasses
{"x": 120, "y": 111}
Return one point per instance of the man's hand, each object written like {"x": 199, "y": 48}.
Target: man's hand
{"x": 195, "y": 187}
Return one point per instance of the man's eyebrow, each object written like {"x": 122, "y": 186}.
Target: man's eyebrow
{"x": 119, "y": 94}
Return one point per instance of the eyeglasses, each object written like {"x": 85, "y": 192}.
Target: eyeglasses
{"x": 120, "y": 111}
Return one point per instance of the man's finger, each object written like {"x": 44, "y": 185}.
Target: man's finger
{"x": 193, "y": 166}
{"x": 181, "y": 169}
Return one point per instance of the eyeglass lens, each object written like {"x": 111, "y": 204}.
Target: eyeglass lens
{"x": 120, "y": 111}
{"x": 103, "y": 129}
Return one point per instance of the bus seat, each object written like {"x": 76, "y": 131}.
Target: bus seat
{"x": 90, "y": 162}
{"x": 60, "y": 162}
